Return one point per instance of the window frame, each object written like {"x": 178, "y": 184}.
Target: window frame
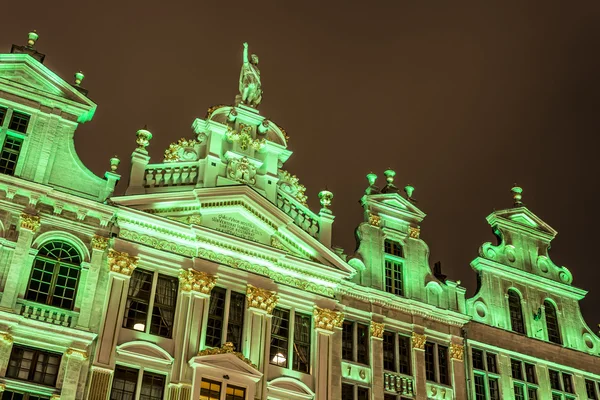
{"x": 6, "y": 152}
{"x": 225, "y": 320}
{"x": 33, "y": 364}
{"x": 556, "y": 336}
{"x": 354, "y": 342}
{"x": 355, "y": 388}
{"x": 141, "y": 371}
{"x": 291, "y": 340}
{"x": 399, "y": 364}
{"x": 512, "y": 311}
{"x": 394, "y": 262}
{"x": 151, "y": 302}
{"x": 486, "y": 373}
{"x": 224, "y": 385}
{"x": 562, "y": 393}
{"x": 436, "y": 363}
{"x": 524, "y": 382}
{"x": 20, "y": 115}
{"x": 594, "y": 388}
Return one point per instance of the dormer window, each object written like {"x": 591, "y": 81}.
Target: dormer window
{"x": 394, "y": 268}
{"x": 552, "y": 323}
{"x": 19, "y": 122}
{"x": 516, "y": 312}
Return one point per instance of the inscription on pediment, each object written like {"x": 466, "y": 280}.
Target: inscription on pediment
{"x": 236, "y": 225}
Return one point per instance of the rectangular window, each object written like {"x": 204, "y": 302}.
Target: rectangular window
{"x": 151, "y": 291}
{"x": 436, "y": 363}
{"x": 494, "y": 390}
{"x": 516, "y": 369}
{"x": 280, "y": 334}
{"x": 567, "y": 383}
{"x": 10, "y": 155}
{"x": 530, "y": 373}
{"x": 554, "y": 380}
{"x": 443, "y": 364}
{"x": 124, "y": 385}
{"x": 479, "y": 387}
{"x": 10, "y": 395}
{"x": 404, "y": 354}
{"x": 347, "y": 391}
{"x": 216, "y": 312}
{"x": 2, "y": 115}
{"x": 33, "y": 365}
{"x": 393, "y": 248}
{"x": 351, "y": 392}
{"x": 393, "y": 278}
{"x": 355, "y": 342}
{"x": 362, "y": 393}
{"x": 235, "y": 393}
{"x": 430, "y": 361}
{"x": 302, "y": 332}
{"x": 519, "y": 392}
{"x": 19, "y": 122}
{"x": 478, "y": 359}
{"x": 485, "y": 363}
{"x": 590, "y": 389}
{"x": 532, "y": 393}
{"x": 491, "y": 363}
{"x": 235, "y": 321}
{"x": 389, "y": 351}
{"x": 210, "y": 390}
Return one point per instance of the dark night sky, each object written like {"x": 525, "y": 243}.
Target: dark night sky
{"x": 461, "y": 100}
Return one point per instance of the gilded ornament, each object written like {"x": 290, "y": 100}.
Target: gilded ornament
{"x": 196, "y": 281}
{"x": 2, "y": 387}
{"x": 244, "y": 137}
{"x": 6, "y": 337}
{"x": 275, "y": 242}
{"x": 242, "y": 170}
{"x": 182, "y": 150}
{"x": 327, "y": 319}
{"x": 374, "y": 220}
{"x": 418, "y": 341}
{"x": 121, "y": 262}
{"x": 226, "y": 349}
{"x": 82, "y": 354}
{"x": 55, "y": 396}
{"x": 195, "y": 219}
{"x": 414, "y": 232}
{"x": 212, "y": 109}
{"x": 99, "y": 242}
{"x": 377, "y": 329}
{"x": 30, "y": 222}
{"x": 261, "y": 298}
{"x": 291, "y": 185}
{"x": 456, "y": 351}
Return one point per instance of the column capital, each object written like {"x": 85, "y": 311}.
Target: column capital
{"x": 30, "y": 222}
{"x": 377, "y": 329}
{"x": 76, "y": 353}
{"x": 418, "y": 341}
{"x": 327, "y": 319}
{"x": 262, "y": 299}
{"x": 196, "y": 281}
{"x": 99, "y": 242}
{"x": 121, "y": 262}
{"x": 456, "y": 351}
{"x": 6, "y": 337}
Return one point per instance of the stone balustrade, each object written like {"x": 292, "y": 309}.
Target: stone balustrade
{"x": 398, "y": 383}
{"x": 181, "y": 174}
{"x": 45, "y": 313}
{"x": 302, "y": 216}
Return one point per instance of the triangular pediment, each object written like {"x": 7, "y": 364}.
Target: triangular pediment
{"x": 225, "y": 363}
{"x": 237, "y": 217}
{"x": 521, "y": 218}
{"x": 23, "y": 76}
{"x": 393, "y": 205}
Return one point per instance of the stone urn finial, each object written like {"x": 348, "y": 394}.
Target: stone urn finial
{"x": 517, "y": 195}
{"x": 143, "y": 138}
{"x": 409, "y": 189}
{"x": 325, "y": 197}
{"x": 114, "y": 163}
{"x": 32, "y": 37}
{"x": 79, "y": 78}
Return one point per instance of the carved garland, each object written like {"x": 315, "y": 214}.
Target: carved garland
{"x": 121, "y": 262}
{"x": 196, "y": 281}
{"x": 261, "y": 298}
{"x": 327, "y": 319}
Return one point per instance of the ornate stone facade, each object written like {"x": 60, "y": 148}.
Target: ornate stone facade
{"x": 418, "y": 341}
{"x": 261, "y": 298}
{"x": 121, "y": 262}
{"x": 327, "y": 319}
{"x": 377, "y": 329}
{"x": 196, "y": 281}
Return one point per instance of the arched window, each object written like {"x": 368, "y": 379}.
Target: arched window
{"x": 55, "y": 275}
{"x": 552, "y": 322}
{"x": 516, "y": 312}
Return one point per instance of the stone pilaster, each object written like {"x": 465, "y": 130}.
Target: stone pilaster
{"x": 261, "y": 303}
{"x": 376, "y": 355}
{"x": 195, "y": 290}
{"x": 418, "y": 360}
{"x": 6, "y": 342}
{"x": 121, "y": 266}
{"x": 459, "y": 379}
{"x": 178, "y": 391}
{"x": 19, "y": 264}
{"x": 326, "y": 323}
{"x": 99, "y": 245}
{"x": 506, "y": 379}
{"x": 75, "y": 361}
{"x": 100, "y": 382}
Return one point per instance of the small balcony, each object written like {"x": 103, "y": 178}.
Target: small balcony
{"x": 45, "y": 313}
{"x": 399, "y": 384}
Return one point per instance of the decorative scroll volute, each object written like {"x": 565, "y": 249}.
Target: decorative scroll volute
{"x": 377, "y": 329}
{"x": 327, "y": 319}
{"x": 99, "y": 243}
{"x": 30, "y": 222}
{"x": 261, "y": 298}
{"x": 456, "y": 351}
{"x": 418, "y": 341}
{"x": 121, "y": 262}
{"x": 196, "y": 281}
{"x": 81, "y": 354}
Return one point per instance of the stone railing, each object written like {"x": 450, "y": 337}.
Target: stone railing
{"x": 302, "y": 216}
{"x": 180, "y": 174}
{"x": 45, "y": 313}
{"x": 400, "y": 384}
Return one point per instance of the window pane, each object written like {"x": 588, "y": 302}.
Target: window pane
{"x": 10, "y": 155}
{"x": 210, "y": 390}
{"x": 216, "y": 312}
{"x": 491, "y": 362}
{"x": 347, "y": 340}
{"x": 516, "y": 369}
{"x": 302, "y": 331}
{"x": 404, "y": 354}
{"x": 235, "y": 322}
{"x": 430, "y": 362}
{"x": 163, "y": 312}
{"x": 362, "y": 343}
{"x": 347, "y": 391}
{"x": 138, "y": 300}
{"x": 33, "y": 365}
{"x": 516, "y": 313}
{"x": 554, "y": 379}
{"x": 389, "y": 351}
{"x": 590, "y": 389}
{"x": 280, "y": 331}
{"x": 8, "y": 395}
{"x": 443, "y": 364}
{"x": 393, "y": 248}
{"x": 530, "y": 373}
{"x": 124, "y": 383}
{"x": 478, "y": 359}
{"x": 494, "y": 391}
{"x": 363, "y": 393}
{"x": 567, "y": 383}
{"x": 235, "y": 393}
{"x": 532, "y": 393}
{"x": 519, "y": 392}
{"x": 479, "y": 387}
{"x": 19, "y": 122}
{"x": 393, "y": 278}
{"x": 153, "y": 386}
{"x": 552, "y": 322}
